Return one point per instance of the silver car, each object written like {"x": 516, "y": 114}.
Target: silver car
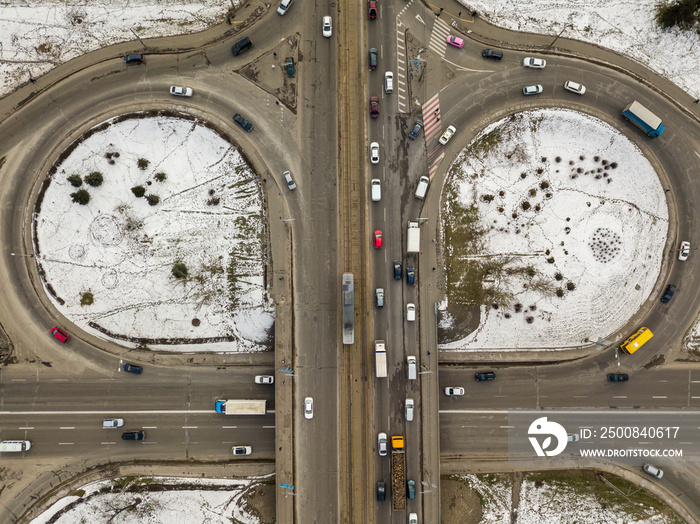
{"x": 290, "y": 181}
{"x": 535, "y": 63}
{"x": 532, "y": 90}
{"x": 180, "y": 91}
{"x": 382, "y": 444}
{"x": 112, "y": 423}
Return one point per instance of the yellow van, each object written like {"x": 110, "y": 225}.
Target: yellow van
{"x": 637, "y": 340}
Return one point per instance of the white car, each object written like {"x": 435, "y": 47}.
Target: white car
{"x": 264, "y": 379}
{"x": 180, "y": 91}
{"x": 454, "y": 392}
{"x": 447, "y": 135}
{"x": 242, "y": 450}
{"x": 685, "y": 250}
{"x": 290, "y": 181}
{"x": 411, "y": 312}
{"x": 382, "y": 444}
{"x": 112, "y": 422}
{"x": 284, "y": 5}
{"x": 574, "y": 87}
{"x": 573, "y": 437}
{"x": 374, "y": 152}
{"x": 327, "y": 27}
{"x": 653, "y": 471}
{"x": 409, "y": 409}
{"x": 532, "y": 90}
{"x": 535, "y": 63}
{"x": 413, "y": 518}
{"x": 309, "y": 407}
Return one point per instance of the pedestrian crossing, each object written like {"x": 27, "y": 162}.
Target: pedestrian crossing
{"x": 401, "y": 71}
{"x": 431, "y": 117}
{"x": 438, "y": 37}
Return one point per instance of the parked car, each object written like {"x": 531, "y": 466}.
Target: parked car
{"x": 381, "y": 491}
{"x": 447, "y": 135}
{"x": 455, "y": 41}
{"x": 132, "y": 368}
{"x": 378, "y": 239}
{"x": 574, "y": 87}
{"x": 685, "y": 250}
{"x": 410, "y": 276}
{"x": 374, "y": 152}
{"x": 454, "y": 392}
{"x": 487, "y": 375}
{"x": 372, "y": 9}
{"x": 264, "y": 379}
{"x": 532, "y": 90}
{"x": 59, "y": 334}
{"x": 535, "y": 63}
{"x": 133, "y": 435}
{"x": 180, "y": 91}
{"x": 242, "y": 450}
{"x": 618, "y": 377}
{"x": 327, "y": 26}
{"x": 243, "y": 122}
{"x": 373, "y": 59}
{"x": 653, "y": 471}
{"x": 290, "y": 180}
{"x": 309, "y": 407}
{"x": 374, "y": 106}
{"x": 382, "y": 444}
{"x": 284, "y": 5}
{"x": 411, "y": 489}
{"x": 411, "y": 312}
{"x": 494, "y": 54}
{"x": 416, "y": 130}
{"x": 109, "y": 423}
{"x": 133, "y": 58}
{"x": 668, "y": 295}
{"x": 398, "y": 272}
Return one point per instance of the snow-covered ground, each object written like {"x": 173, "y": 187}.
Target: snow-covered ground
{"x": 122, "y": 250}
{"x": 620, "y": 25}
{"x": 38, "y": 35}
{"x": 596, "y": 215}
{"x": 218, "y": 501}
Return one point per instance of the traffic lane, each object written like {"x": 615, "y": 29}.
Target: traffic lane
{"x": 473, "y": 433}
{"x": 512, "y": 388}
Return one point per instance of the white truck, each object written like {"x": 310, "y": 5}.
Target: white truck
{"x": 380, "y": 358}
{"x": 413, "y": 237}
{"x": 240, "y": 407}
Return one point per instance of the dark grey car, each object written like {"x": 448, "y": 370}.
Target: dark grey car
{"x": 133, "y": 435}
{"x": 668, "y": 295}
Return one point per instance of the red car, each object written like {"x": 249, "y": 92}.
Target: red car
{"x": 374, "y": 107}
{"x": 378, "y": 238}
{"x": 60, "y": 335}
{"x": 372, "y": 9}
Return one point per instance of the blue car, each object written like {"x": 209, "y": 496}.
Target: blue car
{"x": 398, "y": 273}
{"x": 131, "y": 368}
{"x": 410, "y": 276}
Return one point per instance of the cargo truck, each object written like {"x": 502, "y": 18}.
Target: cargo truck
{"x": 380, "y": 358}
{"x": 398, "y": 473}
{"x": 240, "y": 407}
{"x": 643, "y": 119}
{"x": 413, "y": 237}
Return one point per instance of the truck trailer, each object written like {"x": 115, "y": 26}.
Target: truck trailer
{"x": 380, "y": 358}
{"x": 240, "y": 407}
{"x": 398, "y": 473}
{"x": 643, "y": 119}
{"x": 413, "y": 238}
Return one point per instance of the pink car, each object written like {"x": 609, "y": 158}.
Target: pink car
{"x": 455, "y": 41}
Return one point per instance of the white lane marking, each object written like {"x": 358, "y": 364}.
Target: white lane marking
{"x": 659, "y": 396}
{"x": 507, "y": 427}
{"x": 190, "y": 427}
{"x": 268, "y": 427}
{"x": 26, "y": 427}
{"x": 685, "y": 412}
{"x": 619, "y": 396}
{"x": 150, "y": 427}
{"x": 19, "y": 380}
{"x": 66, "y": 443}
{"x": 59, "y": 380}
{"x": 107, "y": 443}
{"x": 580, "y": 396}
{"x": 67, "y": 427}
{"x": 229, "y": 427}
{"x": 111, "y": 412}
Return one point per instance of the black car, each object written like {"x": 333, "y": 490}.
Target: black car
{"x": 492, "y": 53}
{"x": 373, "y": 59}
{"x": 243, "y": 122}
{"x": 242, "y": 45}
{"x": 398, "y": 273}
{"x": 381, "y": 491}
{"x": 410, "y": 276}
{"x": 618, "y": 377}
{"x": 488, "y": 375}
{"x": 416, "y": 129}
{"x": 131, "y": 368}
{"x": 133, "y": 435}
{"x": 133, "y": 58}
{"x": 668, "y": 295}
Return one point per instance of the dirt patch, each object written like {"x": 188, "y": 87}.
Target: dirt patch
{"x": 260, "y": 501}
{"x": 458, "y": 503}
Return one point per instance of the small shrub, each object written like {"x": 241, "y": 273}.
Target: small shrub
{"x": 180, "y": 270}
{"x": 86, "y": 299}
{"x": 532, "y": 191}
{"x": 94, "y": 179}
{"x": 81, "y": 197}
{"x": 529, "y": 320}
{"x": 518, "y": 307}
{"x": 515, "y": 214}
{"x": 160, "y": 177}
{"x": 142, "y": 163}
{"x": 525, "y": 205}
{"x": 559, "y": 292}
{"x": 153, "y": 200}
{"x": 558, "y": 276}
{"x": 550, "y": 260}
{"x": 75, "y": 180}
{"x": 138, "y": 191}
{"x": 506, "y": 315}
{"x": 501, "y": 193}
{"x": 558, "y": 159}
{"x": 570, "y": 286}
{"x": 523, "y": 175}
{"x": 213, "y": 201}
{"x": 487, "y": 198}
{"x": 537, "y": 207}
{"x": 211, "y": 192}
